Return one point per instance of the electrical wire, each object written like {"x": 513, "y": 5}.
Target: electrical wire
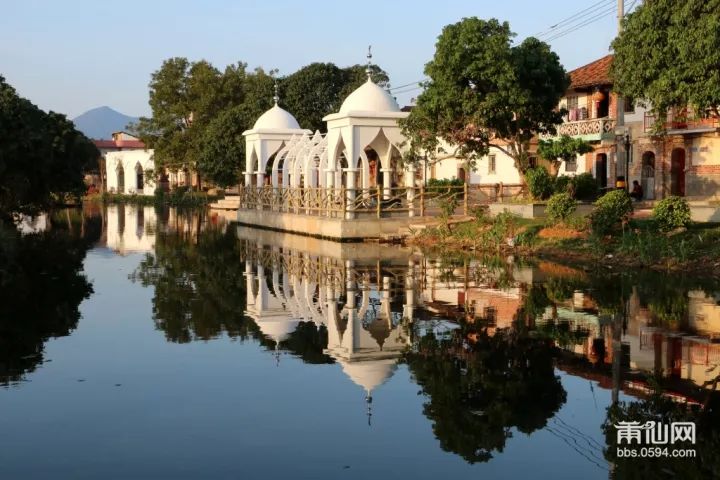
{"x": 573, "y": 18}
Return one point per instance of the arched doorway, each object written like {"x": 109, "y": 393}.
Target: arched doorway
{"x": 677, "y": 172}
{"x": 461, "y": 174}
{"x": 647, "y": 175}
{"x": 120, "y": 171}
{"x": 601, "y": 169}
{"x": 139, "y": 179}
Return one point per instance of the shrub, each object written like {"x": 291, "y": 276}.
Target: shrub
{"x": 540, "y": 182}
{"x": 671, "y": 213}
{"x": 444, "y": 182}
{"x": 560, "y": 207}
{"x": 582, "y": 187}
{"x": 586, "y": 187}
{"x": 564, "y": 184}
{"x": 611, "y": 210}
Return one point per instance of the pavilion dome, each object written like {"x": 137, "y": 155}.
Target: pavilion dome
{"x": 369, "y": 97}
{"x": 369, "y": 374}
{"x": 278, "y": 330}
{"x": 276, "y": 119}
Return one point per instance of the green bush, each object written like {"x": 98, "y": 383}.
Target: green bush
{"x": 582, "y": 187}
{"x": 611, "y": 210}
{"x": 560, "y": 207}
{"x": 564, "y": 184}
{"x": 540, "y": 183}
{"x": 671, "y": 213}
{"x": 444, "y": 182}
{"x": 586, "y": 187}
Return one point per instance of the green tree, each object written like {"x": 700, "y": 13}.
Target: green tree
{"x": 184, "y": 98}
{"x": 563, "y": 149}
{"x": 42, "y": 155}
{"x": 668, "y": 54}
{"x": 483, "y": 92}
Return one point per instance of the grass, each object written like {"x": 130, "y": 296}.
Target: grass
{"x": 638, "y": 244}
{"x": 175, "y": 199}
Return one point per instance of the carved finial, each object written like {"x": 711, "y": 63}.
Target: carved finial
{"x": 368, "y": 69}
{"x": 276, "y": 97}
{"x": 368, "y": 402}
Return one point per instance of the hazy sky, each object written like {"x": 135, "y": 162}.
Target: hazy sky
{"x": 70, "y": 56}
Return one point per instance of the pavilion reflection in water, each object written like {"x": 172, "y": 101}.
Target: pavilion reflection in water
{"x": 366, "y": 305}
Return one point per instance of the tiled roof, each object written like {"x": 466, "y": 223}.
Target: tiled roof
{"x": 130, "y": 144}
{"x": 593, "y": 74}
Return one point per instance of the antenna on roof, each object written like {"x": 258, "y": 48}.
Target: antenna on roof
{"x": 368, "y": 69}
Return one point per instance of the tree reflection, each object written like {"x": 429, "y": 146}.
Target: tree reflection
{"x": 41, "y": 287}
{"x": 199, "y": 281}
{"x": 479, "y": 390}
{"x": 199, "y": 285}
{"x": 659, "y": 408}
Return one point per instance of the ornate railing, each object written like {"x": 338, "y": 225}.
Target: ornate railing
{"x": 592, "y": 126}
{"x": 374, "y": 202}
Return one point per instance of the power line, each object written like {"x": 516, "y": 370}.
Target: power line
{"x": 574, "y": 28}
{"x": 576, "y": 16}
{"x": 407, "y": 85}
{"x": 407, "y": 90}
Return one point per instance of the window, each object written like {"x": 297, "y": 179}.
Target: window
{"x": 571, "y": 165}
{"x": 572, "y": 102}
{"x": 491, "y": 165}
{"x": 490, "y": 315}
{"x": 532, "y": 162}
{"x": 629, "y": 105}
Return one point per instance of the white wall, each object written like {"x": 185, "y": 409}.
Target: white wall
{"x": 130, "y": 159}
{"x": 131, "y": 228}
{"x": 505, "y": 171}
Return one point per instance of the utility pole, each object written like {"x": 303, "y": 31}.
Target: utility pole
{"x": 620, "y": 114}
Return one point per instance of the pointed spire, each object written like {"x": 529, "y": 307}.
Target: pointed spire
{"x": 368, "y": 401}
{"x": 276, "y": 97}
{"x": 368, "y": 69}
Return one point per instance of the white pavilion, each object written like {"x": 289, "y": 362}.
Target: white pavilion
{"x": 346, "y": 183}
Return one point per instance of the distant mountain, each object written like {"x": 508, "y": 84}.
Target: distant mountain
{"x": 101, "y": 122}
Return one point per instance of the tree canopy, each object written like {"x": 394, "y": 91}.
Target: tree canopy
{"x": 485, "y": 92}
{"x": 42, "y": 155}
{"x": 199, "y": 112}
{"x": 668, "y": 54}
{"x": 563, "y": 149}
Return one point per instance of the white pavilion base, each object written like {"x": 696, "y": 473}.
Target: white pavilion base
{"x": 323, "y": 227}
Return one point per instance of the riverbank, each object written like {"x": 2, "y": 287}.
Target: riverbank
{"x": 639, "y": 244}
{"x": 178, "y": 198}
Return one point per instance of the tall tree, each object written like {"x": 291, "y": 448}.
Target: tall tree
{"x": 668, "y": 54}
{"x": 484, "y": 92}
{"x": 42, "y": 155}
{"x": 184, "y": 98}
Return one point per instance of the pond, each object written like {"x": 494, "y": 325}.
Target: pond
{"x": 144, "y": 343}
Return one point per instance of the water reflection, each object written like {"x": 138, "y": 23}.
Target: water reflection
{"x": 495, "y": 347}
{"x": 41, "y": 286}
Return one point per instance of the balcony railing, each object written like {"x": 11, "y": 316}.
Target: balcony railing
{"x": 683, "y": 119}
{"x": 593, "y": 127}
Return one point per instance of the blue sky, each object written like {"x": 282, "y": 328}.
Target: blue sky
{"x": 70, "y": 56}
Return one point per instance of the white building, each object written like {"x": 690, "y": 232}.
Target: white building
{"x": 127, "y": 172}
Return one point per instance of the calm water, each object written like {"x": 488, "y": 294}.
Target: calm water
{"x": 138, "y": 344}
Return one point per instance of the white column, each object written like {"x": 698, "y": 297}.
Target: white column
{"x": 387, "y": 184}
{"x": 248, "y": 178}
{"x": 351, "y": 192}
{"x": 410, "y": 185}
{"x": 330, "y": 188}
